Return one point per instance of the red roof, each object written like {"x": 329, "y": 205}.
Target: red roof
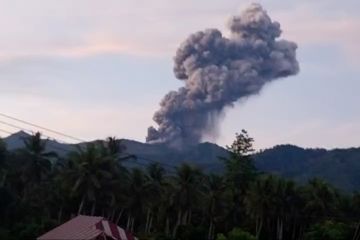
{"x": 86, "y": 228}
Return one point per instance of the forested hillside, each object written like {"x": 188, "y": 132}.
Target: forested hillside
{"x": 40, "y": 189}
{"x": 340, "y": 167}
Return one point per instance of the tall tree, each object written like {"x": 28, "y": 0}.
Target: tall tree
{"x": 321, "y": 199}
{"x": 188, "y": 182}
{"x": 355, "y": 206}
{"x": 90, "y": 171}
{"x": 3, "y": 156}
{"x": 215, "y": 202}
{"x": 259, "y": 201}
{"x": 37, "y": 161}
{"x": 115, "y": 149}
{"x": 239, "y": 171}
{"x": 138, "y": 191}
{"x": 157, "y": 182}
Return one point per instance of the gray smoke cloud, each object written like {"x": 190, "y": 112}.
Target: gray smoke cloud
{"x": 218, "y": 71}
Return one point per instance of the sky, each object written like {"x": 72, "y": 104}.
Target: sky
{"x": 94, "y": 69}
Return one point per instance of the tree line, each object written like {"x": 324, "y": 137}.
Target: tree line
{"x": 40, "y": 190}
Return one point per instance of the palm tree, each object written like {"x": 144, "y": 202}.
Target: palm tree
{"x": 259, "y": 201}
{"x": 169, "y": 207}
{"x": 89, "y": 173}
{"x": 214, "y": 187}
{"x": 138, "y": 191}
{"x": 112, "y": 194}
{"x": 355, "y": 205}
{"x": 3, "y": 156}
{"x": 37, "y": 161}
{"x": 284, "y": 198}
{"x": 187, "y": 182}
{"x": 321, "y": 199}
{"x": 114, "y": 148}
{"x": 157, "y": 182}
{"x": 272, "y": 199}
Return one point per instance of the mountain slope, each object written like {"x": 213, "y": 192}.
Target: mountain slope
{"x": 340, "y": 167}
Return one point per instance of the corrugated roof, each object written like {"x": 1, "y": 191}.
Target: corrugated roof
{"x": 80, "y": 227}
{"x": 115, "y": 232}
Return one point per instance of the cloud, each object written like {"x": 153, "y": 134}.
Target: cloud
{"x": 84, "y": 28}
{"x": 89, "y": 123}
{"x": 34, "y": 33}
{"x": 91, "y": 47}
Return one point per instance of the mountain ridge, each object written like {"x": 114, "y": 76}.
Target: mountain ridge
{"x": 340, "y": 167}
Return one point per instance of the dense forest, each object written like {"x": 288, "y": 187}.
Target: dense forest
{"x": 40, "y": 189}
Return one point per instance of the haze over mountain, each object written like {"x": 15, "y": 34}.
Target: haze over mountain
{"x": 340, "y": 167}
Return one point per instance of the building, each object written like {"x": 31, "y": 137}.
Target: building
{"x": 87, "y": 228}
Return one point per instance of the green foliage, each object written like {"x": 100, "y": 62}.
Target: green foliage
{"x": 236, "y": 234}
{"x": 31, "y": 228}
{"x": 3, "y": 163}
{"x": 160, "y": 237}
{"x": 239, "y": 167}
{"x": 239, "y": 234}
{"x": 239, "y": 173}
{"x": 242, "y": 145}
{"x": 221, "y": 236}
{"x": 339, "y": 167}
{"x": 3, "y": 151}
{"x": 190, "y": 232}
{"x": 183, "y": 204}
{"x": 37, "y": 161}
{"x": 6, "y": 234}
{"x": 328, "y": 230}
{"x": 322, "y": 198}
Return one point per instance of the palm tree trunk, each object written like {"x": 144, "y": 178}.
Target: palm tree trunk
{"x": 119, "y": 216}
{"x": 277, "y": 229}
{"x": 2, "y": 183}
{"x": 128, "y": 222}
{"x": 177, "y": 223}
{"x": 81, "y": 205}
{"x": 151, "y": 223}
{"x": 132, "y": 224}
{"x": 189, "y": 218}
{"x": 60, "y": 214}
{"x": 167, "y": 226}
{"x": 210, "y": 234}
{"x": 259, "y": 227}
{"x": 185, "y": 218}
{"x": 281, "y": 229}
{"x": 103, "y": 212}
{"x": 293, "y": 234}
{"x": 147, "y": 220}
{"x": 357, "y": 232}
{"x": 93, "y": 208}
{"x": 112, "y": 216}
{"x": 301, "y": 232}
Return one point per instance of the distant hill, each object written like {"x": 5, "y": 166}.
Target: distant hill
{"x": 204, "y": 155}
{"x": 340, "y": 167}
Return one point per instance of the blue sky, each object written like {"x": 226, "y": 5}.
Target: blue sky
{"x": 98, "y": 68}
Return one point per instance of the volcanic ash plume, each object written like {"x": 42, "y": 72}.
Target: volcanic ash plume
{"x": 218, "y": 71}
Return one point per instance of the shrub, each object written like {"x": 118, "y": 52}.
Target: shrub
{"x": 189, "y": 232}
{"x": 328, "y": 230}
{"x": 236, "y": 234}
